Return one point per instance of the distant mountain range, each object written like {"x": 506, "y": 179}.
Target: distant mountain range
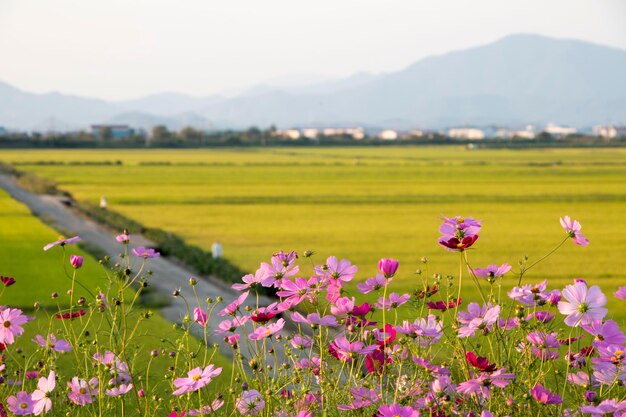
{"x": 517, "y": 80}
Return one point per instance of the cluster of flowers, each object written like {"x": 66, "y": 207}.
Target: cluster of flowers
{"x": 493, "y": 357}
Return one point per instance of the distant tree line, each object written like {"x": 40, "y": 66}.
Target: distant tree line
{"x": 189, "y": 137}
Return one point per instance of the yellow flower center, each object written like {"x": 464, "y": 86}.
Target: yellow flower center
{"x": 196, "y": 377}
{"x": 82, "y": 391}
{"x": 7, "y": 324}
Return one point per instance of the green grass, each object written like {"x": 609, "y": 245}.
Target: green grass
{"x": 366, "y": 203}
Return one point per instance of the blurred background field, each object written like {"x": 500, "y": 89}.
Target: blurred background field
{"x": 365, "y": 203}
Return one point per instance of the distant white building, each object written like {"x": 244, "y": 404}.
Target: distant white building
{"x": 288, "y": 133}
{"x": 559, "y": 131}
{"x": 310, "y": 133}
{"x": 388, "y": 134}
{"x": 357, "y": 133}
{"x": 527, "y": 133}
{"x": 610, "y": 132}
{"x": 466, "y": 133}
{"x": 415, "y": 133}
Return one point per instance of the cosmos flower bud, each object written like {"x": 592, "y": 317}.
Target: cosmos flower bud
{"x": 76, "y": 261}
{"x": 388, "y": 267}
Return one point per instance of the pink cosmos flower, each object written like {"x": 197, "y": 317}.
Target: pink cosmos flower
{"x": 396, "y": 410}
{"x": 11, "y": 321}
{"x": 607, "y": 332}
{"x": 477, "y": 318}
{"x": 52, "y": 343}
{"x": 7, "y": 281}
{"x": 251, "y": 281}
{"x": 76, "y": 261}
{"x": 492, "y": 271}
{"x": 301, "y": 342}
{"x": 530, "y": 295}
{"x": 196, "y": 379}
{"x": 41, "y": 396}
{"x": 207, "y": 409}
{"x": 262, "y": 332}
{"x": 373, "y": 284}
{"x": 119, "y": 390}
{"x": 232, "y": 340}
{"x": 543, "y": 396}
{"x": 620, "y": 293}
{"x": 232, "y": 308}
{"x": 606, "y": 407}
{"x": 314, "y": 319}
{"x": 363, "y": 397}
{"x": 200, "y": 316}
{"x": 83, "y": 392}
{"x": 388, "y": 267}
{"x": 21, "y": 404}
{"x": 545, "y": 345}
{"x": 228, "y": 326}
{"x": 583, "y": 305}
{"x": 340, "y": 270}
{"x": 122, "y": 238}
{"x": 146, "y": 253}
{"x": 281, "y": 265}
{"x": 394, "y": 301}
{"x": 62, "y": 242}
{"x": 296, "y": 291}
{"x": 459, "y": 233}
{"x": 250, "y": 403}
{"x": 572, "y": 228}
{"x": 484, "y": 382}
{"x": 346, "y": 351}
{"x": 342, "y": 306}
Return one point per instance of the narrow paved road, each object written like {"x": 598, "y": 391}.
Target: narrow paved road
{"x": 168, "y": 275}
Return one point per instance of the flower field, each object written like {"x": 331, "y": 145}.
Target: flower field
{"x": 533, "y": 350}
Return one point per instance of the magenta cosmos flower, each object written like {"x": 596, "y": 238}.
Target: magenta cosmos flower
{"x": 21, "y": 404}
{"x": 7, "y": 281}
{"x": 52, "y": 343}
{"x": 196, "y": 379}
{"x": 122, "y": 238}
{"x": 477, "y": 318}
{"x": 62, "y": 242}
{"x": 396, "y": 410}
{"x": 583, "y": 305}
{"x": 388, "y": 267}
{"x": 542, "y": 395}
{"x": 572, "y": 228}
{"x": 146, "y": 253}
{"x": 250, "y": 403}
{"x": 41, "y": 396}
{"x": 76, "y": 261}
{"x": 200, "y": 316}
{"x": 11, "y": 320}
{"x": 459, "y": 233}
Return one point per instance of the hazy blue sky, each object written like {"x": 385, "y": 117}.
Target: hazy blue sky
{"x": 118, "y": 49}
